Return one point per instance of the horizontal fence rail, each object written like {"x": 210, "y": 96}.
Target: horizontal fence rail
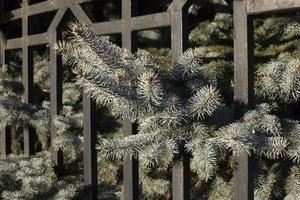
{"x": 176, "y": 17}
{"x": 271, "y": 6}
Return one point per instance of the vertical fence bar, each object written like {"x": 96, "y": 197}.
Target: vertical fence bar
{"x": 29, "y": 132}
{"x": 179, "y": 42}
{"x": 243, "y": 92}
{"x": 5, "y": 132}
{"x": 130, "y": 170}
{"x": 55, "y": 94}
{"x": 131, "y": 167}
{"x": 90, "y": 153}
{"x": 27, "y": 78}
{"x": 56, "y": 73}
{"x": 89, "y": 128}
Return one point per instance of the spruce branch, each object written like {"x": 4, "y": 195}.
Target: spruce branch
{"x": 205, "y": 102}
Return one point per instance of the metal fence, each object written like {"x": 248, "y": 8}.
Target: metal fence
{"x": 176, "y": 17}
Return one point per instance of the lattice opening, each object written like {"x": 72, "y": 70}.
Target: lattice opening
{"x": 100, "y": 11}
{"x": 12, "y": 29}
{"x": 40, "y": 23}
{"x": 9, "y": 5}
{"x": 146, "y": 7}
{"x": 41, "y": 76}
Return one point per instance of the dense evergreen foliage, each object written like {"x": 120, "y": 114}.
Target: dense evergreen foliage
{"x": 189, "y": 102}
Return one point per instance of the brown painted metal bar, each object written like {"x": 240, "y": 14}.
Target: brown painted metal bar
{"x": 56, "y": 71}
{"x": 109, "y": 27}
{"x": 2, "y": 49}
{"x": 243, "y": 92}
{"x": 179, "y": 32}
{"x": 267, "y": 6}
{"x": 243, "y": 54}
{"x": 5, "y": 132}
{"x": 89, "y": 129}
{"x": 137, "y": 23}
{"x": 15, "y": 43}
{"x": 55, "y": 95}
{"x": 67, "y": 3}
{"x": 90, "y": 153}
{"x": 56, "y": 20}
{"x": 27, "y": 78}
{"x": 128, "y": 9}
{"x": 151, "y": 21}
{"x": 33, "y": 40}
{"x": 179, "y": 42}
{"x": 38, "y": 39}
{"x": 80, "y": 14}
{"x": 130, "y": 169}
{"x": 42, "y": 7}
{"x": 178, "y": 5}
{"x": 52, "y": 5}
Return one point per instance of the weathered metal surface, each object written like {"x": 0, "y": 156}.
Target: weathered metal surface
{"x": 89, "y": 128}
{"x": 179, "y": 43}
{"x": 14, "y": 43}
{"x": 2, "y": 49}
{"x": 243, "y": 54}
{"x": 27, "y": 79}
{"x": 151, "y": 21}
{"x": 136, "y": 23}
{"x": 42, "y": 7}
{"x": 38, "y": 39}
{"x": 55, "y": 94}
{"x": 5, "y": 132}
{"x": 80, "y": 14}
{"x": 89, "y": 146}
{"x": 268, "y": 6}
{"x": 243, "y": 92}
{"x": 130, "y": 169}
{"x": 56, "y": 20}
{"x": 181, "y": 177}
{"x": 33, "y": 40}
{"x": 109, "y": 27}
